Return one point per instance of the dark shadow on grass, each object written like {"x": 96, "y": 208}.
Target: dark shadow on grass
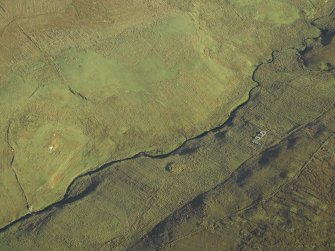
{"x": 268, "y": 155}
{"x": 243, "y": 175}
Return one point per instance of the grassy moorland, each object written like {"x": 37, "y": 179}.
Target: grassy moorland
{"x": 199, "y": 196}
{"x": 85, "y": 83}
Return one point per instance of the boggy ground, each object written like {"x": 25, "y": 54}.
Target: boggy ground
{"x": 219, "y": 191}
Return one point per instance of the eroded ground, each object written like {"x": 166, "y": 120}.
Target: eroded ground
{"x": 84, "y": 85}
